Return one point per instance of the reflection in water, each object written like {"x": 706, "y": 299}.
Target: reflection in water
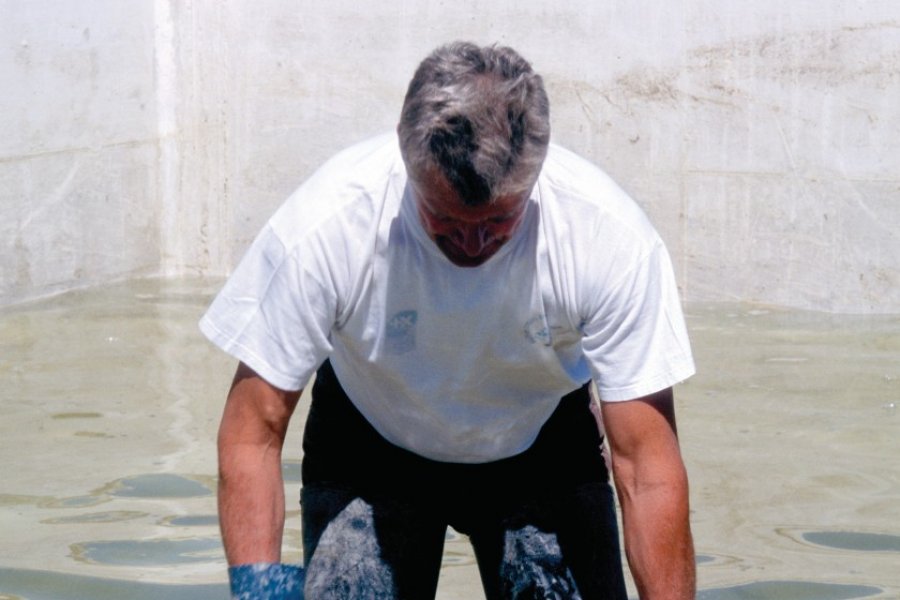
{"x": 72, "y": 502}
{"x": 785, "y": 428}
{"x": 77, "y": 415}
{"x": 290, "y": 470}
{"x": 789, "y": 590}
{"x": 47, "y": 585}
{"x": 112, "y": 516}
{"x": 111, "y": 397}
{"x": 192, "y": 521}
{"x": 149, "y": 552}
{"x": 159, "y": 485}
{"x": 851, "y": 540}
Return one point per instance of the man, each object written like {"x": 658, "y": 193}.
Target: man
{"x": 456, "y": 288}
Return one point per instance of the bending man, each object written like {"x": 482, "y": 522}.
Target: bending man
{"x": 456, "y": 287}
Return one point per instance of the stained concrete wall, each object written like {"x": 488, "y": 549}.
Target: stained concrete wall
{"x": 762, "y": 138}
{"x": 78, "y": 145}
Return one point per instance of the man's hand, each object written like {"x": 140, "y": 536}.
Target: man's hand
{"x": 652, "y": 485}
{"x": 251, "y": 489}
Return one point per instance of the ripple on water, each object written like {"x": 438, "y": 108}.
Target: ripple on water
{"x": 716, "y": 560}
{"x": 456, "y": 559}
{"x": 191, "y": 521}
{"x": 17, "y": 499}
{"x": 794, "y": 590}
{"x": 159, "y": 485}
{"x": 20, "y": 584}
{"x": 77, "y": 415}
{"x": 72, "y": 502}
{"x": 148, "y": 552}
{"x": 111, "y": 516}
{"x": 854, "y": 540}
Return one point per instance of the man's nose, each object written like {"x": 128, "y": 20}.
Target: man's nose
{"x": 472, "y": 238}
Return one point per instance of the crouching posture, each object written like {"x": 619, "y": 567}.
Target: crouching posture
{"x": 456, "y": 287}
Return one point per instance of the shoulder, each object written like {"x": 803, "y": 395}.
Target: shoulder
{"x": 348, "y": 192}
{"x": 583, "y": 198}
{"x": 361, "y": 161}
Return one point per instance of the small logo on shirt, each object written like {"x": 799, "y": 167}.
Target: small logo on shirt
{"x": 400, "y": 333}
{"x": 537, "y": 331}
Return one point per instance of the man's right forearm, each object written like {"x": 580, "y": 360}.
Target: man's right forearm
{"x": 251, "y": 503}
{"x": 251, "y": 488}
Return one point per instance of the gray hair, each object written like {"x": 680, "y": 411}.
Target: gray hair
{"x": 480, "y": 116}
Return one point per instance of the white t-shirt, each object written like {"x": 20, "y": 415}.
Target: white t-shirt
{"x": 453, "y": 363}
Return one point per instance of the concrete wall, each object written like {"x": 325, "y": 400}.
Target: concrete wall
{"x": 155, "y": 136}
{"x": 79, "y": 202}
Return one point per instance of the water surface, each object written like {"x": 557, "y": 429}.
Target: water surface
{"x": 111, "y": 401}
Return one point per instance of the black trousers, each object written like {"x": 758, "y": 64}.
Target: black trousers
{"x": 542, "y": 523}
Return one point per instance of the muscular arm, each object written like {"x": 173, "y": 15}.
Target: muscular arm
{"x": 251, "y": 489}
{"x": 652, "y": 485}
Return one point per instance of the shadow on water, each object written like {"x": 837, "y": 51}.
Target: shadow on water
{"x": 789, "y": 590}
{"x": 18, "y": 584}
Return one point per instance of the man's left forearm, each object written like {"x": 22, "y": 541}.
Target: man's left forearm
{"x": 652, "y": 485}
{"x": 658, "y": 541}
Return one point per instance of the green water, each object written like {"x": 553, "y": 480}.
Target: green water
{"x": 111, "y": 401}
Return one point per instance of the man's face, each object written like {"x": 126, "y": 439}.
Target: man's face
{"x": 467, "y": 235}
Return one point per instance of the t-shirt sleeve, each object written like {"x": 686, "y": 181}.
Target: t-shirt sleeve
{"x": 635, "y": 340}
{"x": 274, "y": 314}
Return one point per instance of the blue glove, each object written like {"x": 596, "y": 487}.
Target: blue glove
{"x": 266, "y": 581}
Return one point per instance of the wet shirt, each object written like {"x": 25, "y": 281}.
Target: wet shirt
{"x": 454, "y": 363}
